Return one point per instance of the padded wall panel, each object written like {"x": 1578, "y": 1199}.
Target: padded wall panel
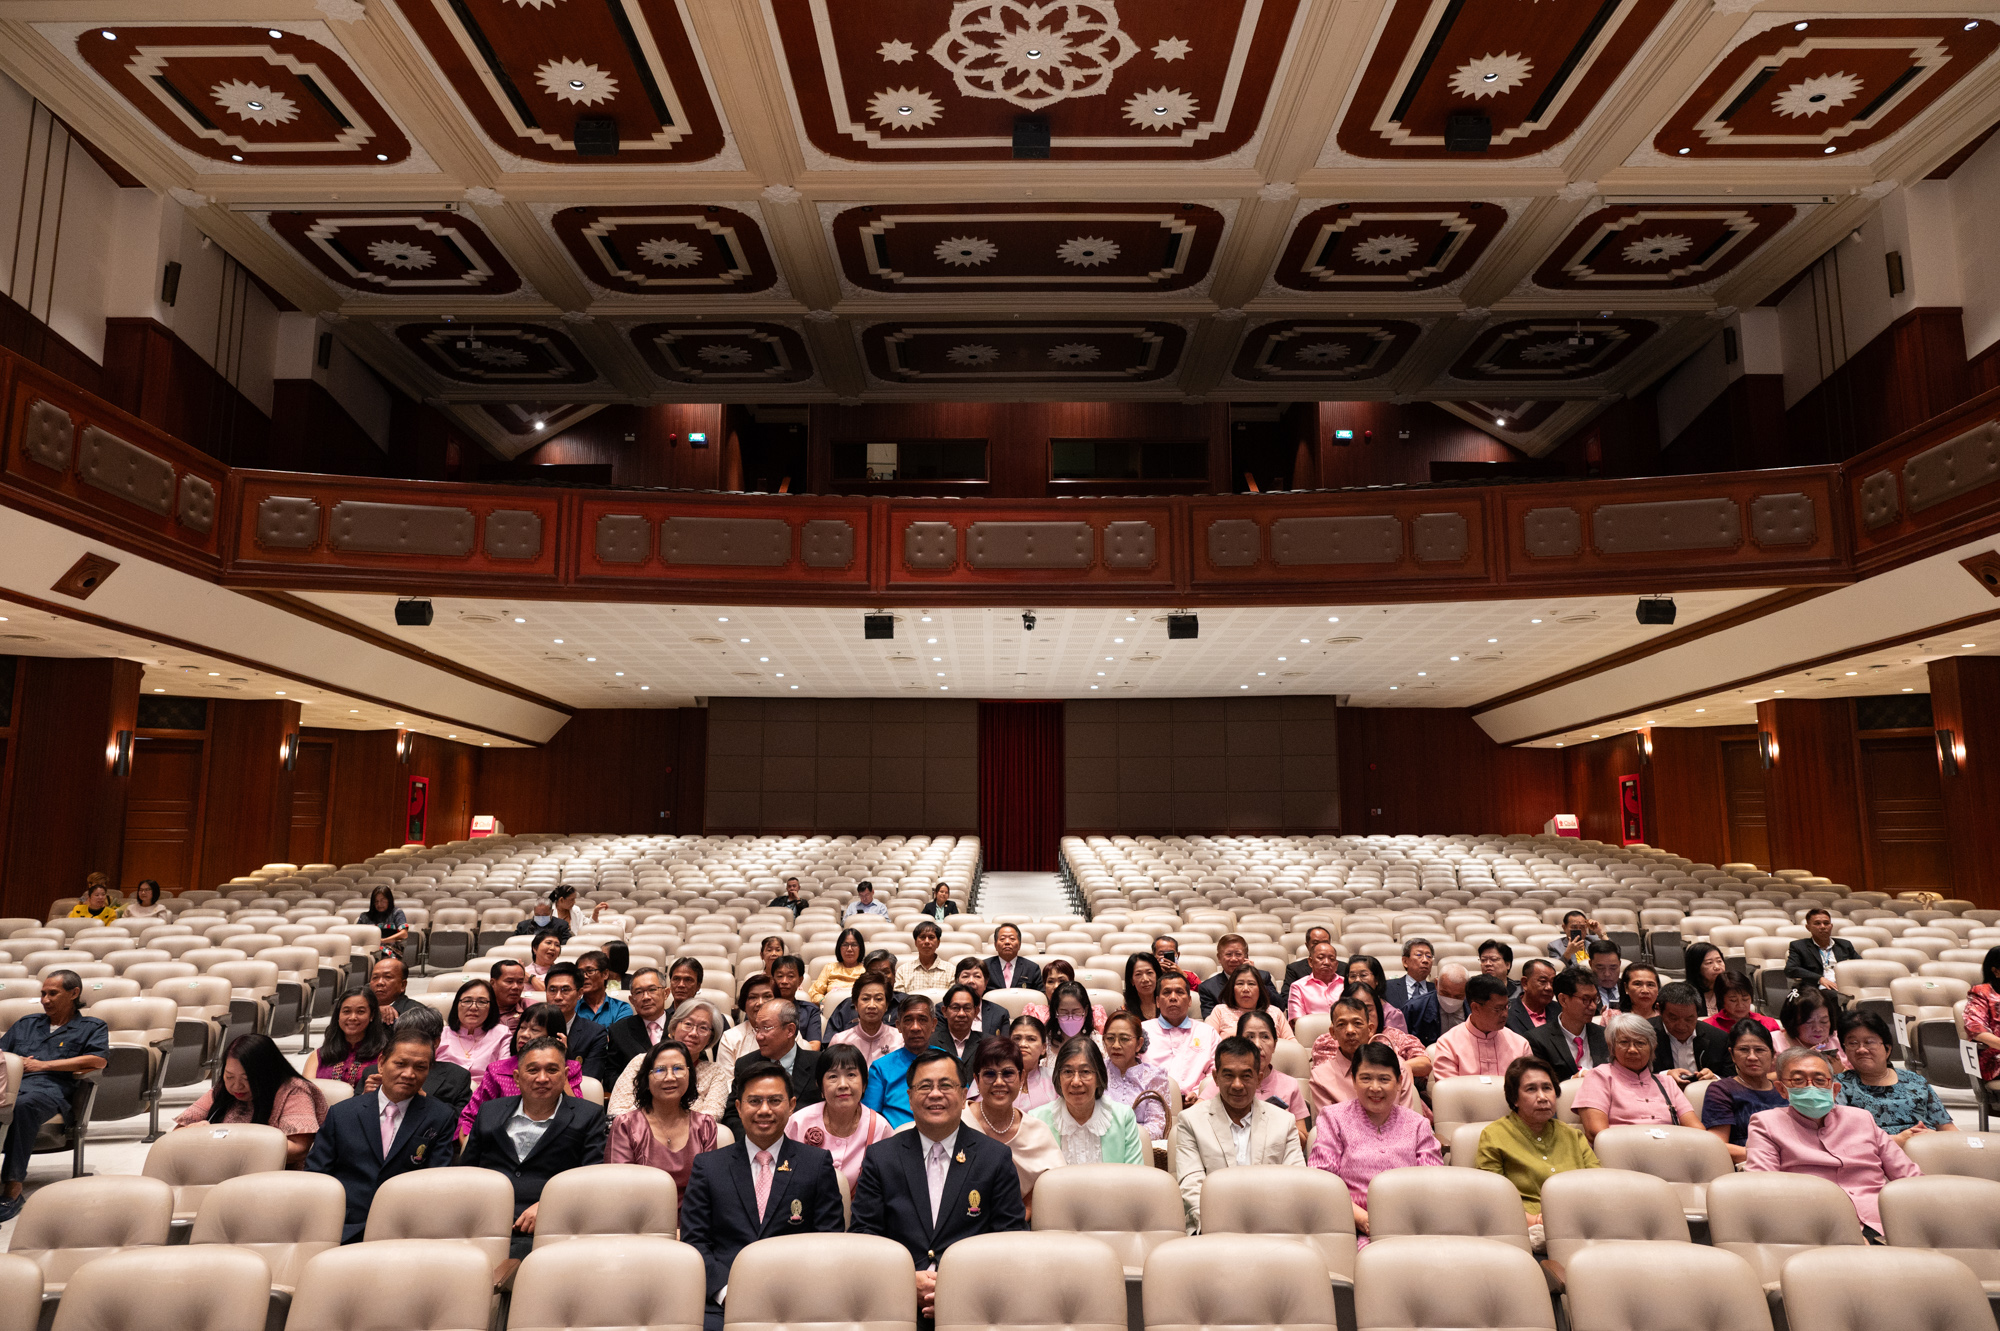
{"x": 826, "y": 543}
{"x": 736, "y": 542}
{"x": 50, "y": 438}
{"x": 1029, "y": 545}
{"x": 1678, "y": 524}
{"x": 1786, "y": 519}
{"x": 1440, "y": 538}
{"x": 1880, "y": 504}
{"x": 1553, "y": 533}
{"x": 513, "y": 533}
{"x": 118, "y": 466}
{"x": 287, "y": 523}
{"x": 623, "y": 538}
{"x": 196, "y": 510}
{"x": 1955, "y": 467}
{"x": 1374, "y": 539}
{"x": 1233, "y": 543}
{"x": 1130, "y": 545}
{"x": 402, "y": 529}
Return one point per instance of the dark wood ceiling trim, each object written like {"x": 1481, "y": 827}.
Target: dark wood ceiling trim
{"x": 251, "y": 663}
{"x": 1743, "y": 614}
{"x": 1743, "y": 681}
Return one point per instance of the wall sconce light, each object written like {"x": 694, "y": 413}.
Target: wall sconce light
{"x": 121, "y": 754}
{"x": 1645, "y": 746}
{"x": 1767, "y": 749}
{"x": 288, "y": 751}
{"x": 405, "y": 741}
{"x": 1948, "y": 753}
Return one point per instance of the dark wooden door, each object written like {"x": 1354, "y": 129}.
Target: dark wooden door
{"x": 163, "y": 813}
{"x": 312, "y": 782}
{"x": 1905, "y": 801}
{"x": 1743, "y": 803}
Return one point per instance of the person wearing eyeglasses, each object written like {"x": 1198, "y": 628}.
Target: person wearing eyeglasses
{"x": 1813, "y": 1135}
{"x": 1570, "y": 1041}
{"x": 1167, "y": 953}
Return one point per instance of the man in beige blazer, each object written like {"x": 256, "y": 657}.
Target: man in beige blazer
{"x": 1233, "y": 1128}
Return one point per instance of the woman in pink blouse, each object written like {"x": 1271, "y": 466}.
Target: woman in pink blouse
{"x": 1280, "y": 1088}
{"x": 1627, "y": 1090}
{"x": 1982, "y": 1016}
{"x": 543, "y": 1019}
{"x": 840, "y": 1123}
{"x": 1244, "y": 996}
{"x": 257, "y": 1085}
{"x": 1032, "y": 1039}
{"x": 871, "y": 1033}
{"x": 1130, "y": 1076}
{"x": 662, "y": 1131}
{"x": 1359, "y": 1138}
{"x": 474, "y": 1036}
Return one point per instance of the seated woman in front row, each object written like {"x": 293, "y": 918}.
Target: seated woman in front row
{"x": 1901, "y": 1101}
{"x": 1092, "y": 1129}
{"x": 258, "y": 1085}
{"x": 1531, "y": 1143}
{"x": 1627, "y": 1090}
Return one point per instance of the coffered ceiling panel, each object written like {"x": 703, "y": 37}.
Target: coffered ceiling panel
{"x": 920, "y": 81}
{"x": 731, "y": 354}
{"x": 532, "y": 72}
{"x": 498, "y": 354}
{"x": 658, "y": 251}
{"x": 1533, "y": 69}
{"x": 1077, "y": 355}
{"x": 1020, "y": 247}
{"x": 1642, "y": 248}
{"x": 525, "y": 420}
{"x": 259, "y": 96}
{"x": 399, "y": 253}
{"x": 1319, "y": 351}
{"x": 1525, "y": 350}
{"x": 1821, "y": 86}
{"x": 1512, "y": 414}
{"x": 1387, "y": 246}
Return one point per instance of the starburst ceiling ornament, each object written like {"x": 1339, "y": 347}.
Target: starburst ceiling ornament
{"x": 904, "y": 108}
{"x": 1087, "y": 251}
{"x": 1323, "y": 353}
{"x": 1491, "y": 75}
{"x": 965, "y": 251}
{"x": 1657, "y": 249}
{"x": 534, "y": 4}
{"x": 972, "y": 353}
{"x": 1033, "y": 55}
{"x": 1160, "y": 108}
{"x": 1171, "y": 49}
{"x": 500, "y": 358}
{"x": 1543, "y": 353}
{"x": 254, "y": 102}
{"x": 724, "y": 354}
{"x": 669, "y": 252}
{"x": 1384, "y": 249}
{"x": 897, "y": 53}
{"x": 401, "y": 254}
{"x": 1074, "y": 353}
{"x": 1815, "y": 95}
{"x": 576, "y": 82}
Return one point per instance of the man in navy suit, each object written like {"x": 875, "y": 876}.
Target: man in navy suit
{"x": 533, "y": 1136}
{"x": 766, "y": 1186}
{"x": 385, "y": 1132}
{"x": 938, "y": 1183}
{"x": 1008, "y": 969}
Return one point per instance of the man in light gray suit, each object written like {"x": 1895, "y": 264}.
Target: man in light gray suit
{"x": 1234, "y": 1128}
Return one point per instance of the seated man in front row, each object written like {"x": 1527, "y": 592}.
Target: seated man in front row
{"x": 379, "y": 1134}
{"x": 938, "y": 1183}
{"x": 768, "y": 1186}
{"x": 533, "y": 1136}
{"x": 55, "y": 1045}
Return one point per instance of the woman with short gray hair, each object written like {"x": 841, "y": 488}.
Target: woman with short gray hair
{"x": 1627, "y": 1090}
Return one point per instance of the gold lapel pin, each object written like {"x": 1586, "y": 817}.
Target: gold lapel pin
{"x": 961, "y": 1160}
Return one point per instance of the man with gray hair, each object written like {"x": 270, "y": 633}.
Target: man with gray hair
{"x": 775, "y": 1028}
{"x": 55, "y": 1045}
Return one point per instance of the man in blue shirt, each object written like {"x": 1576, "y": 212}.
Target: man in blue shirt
{"x": 54, "y": 1046}
{"x": 594, "y": 968}
{"x": 864, "y": 902}
{"x": 888, "y": 1091}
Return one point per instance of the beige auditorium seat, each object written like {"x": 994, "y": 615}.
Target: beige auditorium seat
{"x": 1973, "y": 1154}
{"x": 1689, "y": 1288}
{"x": 144, "y": 1289}
{"x": 1425, "y": 1202}
{"x": 1015, "y": 1001}
{"x": 475, "y": 1206}
{"x": 1463, "y": 1148}
{"x": 396, "y": 1285}
{"x": 1582, "y": 1207}
{"x": 1687, "y": 1158}
{"x": 1076, "y": 1286}
{"x": 1130, "y": 1208}
{"x": 1959, "y": 1217}
{"x": 1767, "y": 1219}
{"x": 821, "y": 1282}
{"x": 1460, "y": 1100}
{"x": 192, "y": 1160}
{"x": 1220, "y": 1281}
{"x": 74, "y": 1220}
{"x": 1454, "y": 1283}
{"x": 20, "y": 1291}
{"x": 608, "y": 1199}
{"x": 287, "y": 1219}
{"x": 632, "y": 1282}
{"x": 1306, "y": 1204}
{"x": 1872, "y": 1289}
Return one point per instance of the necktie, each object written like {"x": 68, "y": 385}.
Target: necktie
{"x": 390, "y": 1113}
{"x": 934, "y": 1172}
{"x": 1578, "y": 1040}
{"x": 763, "y": 1182}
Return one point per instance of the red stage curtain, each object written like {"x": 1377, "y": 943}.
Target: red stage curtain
{"x": 1020, "y": 784}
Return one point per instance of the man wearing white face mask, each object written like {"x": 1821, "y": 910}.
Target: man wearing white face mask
{"x": 1441, "y": 1010}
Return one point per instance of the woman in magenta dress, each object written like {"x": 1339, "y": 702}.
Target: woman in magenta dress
{"x": 1359, "y": 1138}
{"x": 840, "y": 1123}
{"x": 663, "y": 1131}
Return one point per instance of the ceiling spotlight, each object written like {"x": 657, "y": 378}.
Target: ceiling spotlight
{"x": 722, "y": 619}
{"x": 381, "y": 157}
{"x": 538, "y": 425}
{"x": 274, "y": 32}
{"x": 590, "y": 658}
{"x": 557, "y": 641}
{"x": 236, "y": 157}
{"x": 619, "y": 673}
{"x": 743, "y": 640}
{"x": 1534, "y": 621}
{"x": 644, "y": 687}
{"x": 108, "y": 35}
{"x": 1333, "y": 619}
{"x": 1830, "y": 149}
{"x": 1686, "y": 151}
{"x": 519, "y": 620}
{"x": 1500, "y": 421}
{"x": 1798, "y": 27}
{"x": 255, "y": 106}
{"x": 576, "y": 83}
{"x": 1970, "y": 26}
{"x": 1028, "y": 620}
{"x": 159, "y": 690}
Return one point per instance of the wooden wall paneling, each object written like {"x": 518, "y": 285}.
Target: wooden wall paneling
{"x": 365, "y": 803}
{"x": 28, "y": 337}
{"x": 1906, "y": 535}
{"x": 1743, "y": 429}
{"x": 452, "y": 768}
{"x": 645, "y": 445}
{"x": 163, "y": 811}
{"x": 1903, "y": 815}
{"x": 1908, "y": 373}
{"x": 150, "y": 372}
{"x": 1339, "y": 581}
{"x": 1812, "y": 788}
{"x": 652, "y": 572}
{"x": 310, "y": 838}
{"x": 1098, "y": 513}
{"x": 1746, "y": 809}
{"x": 1684, "y": 780}
{"x": 1965, "y": 699}
{"x": 1379, "y": 455}
{"x": 247, "y": 823}
{"x": 615, "y": 770}
{"x": 68, "y": 816}
{"x": 1590, "y": 782}
{"x": 1420, "y": 770}
{"x": 311, "y": 431}
{"x": 11, "y": 681}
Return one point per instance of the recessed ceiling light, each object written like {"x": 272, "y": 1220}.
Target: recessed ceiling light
{"x": 1260, "y": 673}
{"x": 1454, "y": 658}
{"x": 281, "y": 693}
{"x": 1854, "y": 672}
{"x": 451, "y": 737}
{"x": 1970, "y": 26}
{"x": 942, "y": 688}
{"x": 108, "y": 35}
{"x": 743, "y": 640}
{"x": 1493, "y": 640}
{"x": 1333, "y": 619}
{"x": 940, "y": 674}
{"x": 1701, "y": 709}
{"x": 1798, "y": 27}
{"x": 485, "y": 746}
{"x": 354, "y": 711}
{"x": 781, "y": 675}
{"x": 1093, "y": 686}
{"x": 590, "y": 658}
{"x": 519, "y": 620}
{"x": 764, "y": 658}
{"x": 1422, "y": 673}
{"x": 1131, "y": 619}
{"x": 159, "y": 690}
{"x": 1909, "y": 690}
{"x": 1829, "y": 149}
{"x": 236, "y": 157}
{"x": 558, "y": 641}
{"x": 274, "y": 32}
{"x": 1968, "y": 644}
{"x": 619, "y": 673}
{"x": 794, "y": 686}
{"x": 1559, "y": 744}
{"x": 930, "y": 639}
{"x": 722, "y": 619}
{"x": 1394, "y": 687}
{"x": 926, "y": 619}
{"x": 255, "y": 106}
{"x": 1305, "y": 640}
{"x": 213, "y": 673}
{"x": 381, "y": 157}
{"x": 645, "y": 687}
{"x": 1534, "y": 621}
{"x": 1242, "y": 686}
{"x": 1777, "y": 690}
{"x": 1596, "y": 737}
{"x": 1281, "y": 658}
{"x": 1121, "y": 640}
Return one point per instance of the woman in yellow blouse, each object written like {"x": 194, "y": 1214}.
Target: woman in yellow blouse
{"x": 843, "y": 970}
{"x": 1532, "y": 1143}
{"x": 96, "y": 904}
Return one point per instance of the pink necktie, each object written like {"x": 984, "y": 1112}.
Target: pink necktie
{"x": 763, "y": 1182}
{"x": 390, "y": 1113}
{"x": 1579, "y": 1050}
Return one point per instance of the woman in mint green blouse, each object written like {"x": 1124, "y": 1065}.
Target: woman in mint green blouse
{"x": 1091, "y": 1129}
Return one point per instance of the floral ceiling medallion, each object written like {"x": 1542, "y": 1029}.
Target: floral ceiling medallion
{"x": 254, "y": 102}
{"x": 1033, "y": 55}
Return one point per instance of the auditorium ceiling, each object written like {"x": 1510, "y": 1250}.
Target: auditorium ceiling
{"x": 501, "y": 203}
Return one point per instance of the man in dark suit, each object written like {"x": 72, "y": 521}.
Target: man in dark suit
{"x": 448, "y": 1082}
{"x": 1529, "y": 1010}
{"x": 533, "y": 1136}
{"x": 647, "y": 1026}
{"x": 938, "y": 1183}
{"x": 1414, "y": 985}
{"x": 1232, "y": 953}
{"x": 1810, "y": 961}
{"x": 1008, "y": 969}
{"x": 1556, "y": 1042}
{"x": 418, "y": 1130}
{"x": 993, "y": 1019}
{"x": 1301, "y": 968}
{"x": 1689, "y": 1049}
{"x": 723, "y": 1211}
{"x": 775, "y": 1028}
{"x": 589, "y": 1043}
